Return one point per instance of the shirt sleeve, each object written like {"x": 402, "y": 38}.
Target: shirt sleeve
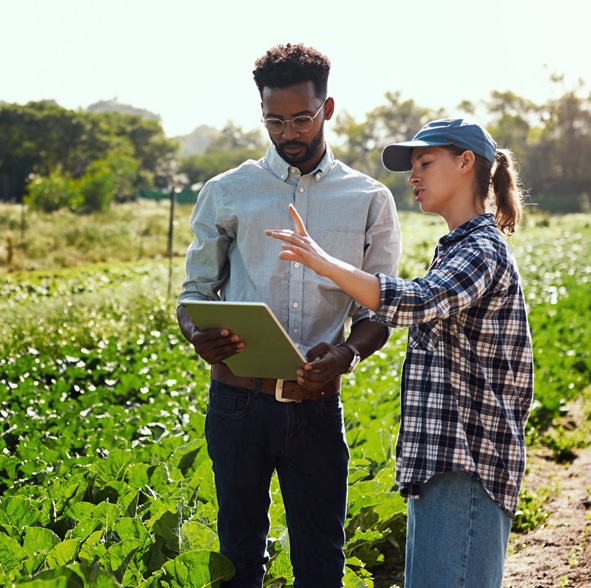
{"x": 383, "y": 242}
{"x": 452, "y": 284}
{"x": 206, "y": 260}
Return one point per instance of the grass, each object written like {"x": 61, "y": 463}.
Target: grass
{"x": 127, "y": 232}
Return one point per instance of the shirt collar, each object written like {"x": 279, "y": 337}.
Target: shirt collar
{"x": 478, "y": 222}
{"x": 281, "y": 168}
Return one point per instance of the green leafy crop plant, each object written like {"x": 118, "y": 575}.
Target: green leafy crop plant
{"x": 104, "y": 473}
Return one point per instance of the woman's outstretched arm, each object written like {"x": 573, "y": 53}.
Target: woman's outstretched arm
{"x": 299, "y": 246}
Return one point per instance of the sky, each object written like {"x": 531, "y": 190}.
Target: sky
{"x": 191, "y": 61}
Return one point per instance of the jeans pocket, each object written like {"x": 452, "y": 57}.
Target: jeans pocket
{"x": 228, "y": 401}
{"x": 332, "y": 408}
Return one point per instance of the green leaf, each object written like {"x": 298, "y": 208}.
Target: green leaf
{"x": 107, "y": 514}
{"x": 39, "y": 540}
{"x": 119, "y": 554}
{"x": 113, "y": 467}
{"x": 198, "y": 569}
{"x": 80, "y": 510}
{"x": 93, "y": 548}
{"x": 74, "y": 576}
{"x": 12, "y": 554}
{"x": 196, "y": 535}
{"x": 361, "y": 579}
{"x": 84, "y": 529}
{"x": 17, "y": 512}
{"x": 63, "y": 553}
{"x": 132, "y": 528}
{"x": 167, "y": 527}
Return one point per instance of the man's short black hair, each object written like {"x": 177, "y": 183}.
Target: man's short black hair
{"x": 286, "y": 65}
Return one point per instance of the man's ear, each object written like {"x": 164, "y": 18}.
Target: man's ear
{"x": 329, "y": 108}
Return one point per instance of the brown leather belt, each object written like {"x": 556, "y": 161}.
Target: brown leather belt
{"x": 283, "y": 390}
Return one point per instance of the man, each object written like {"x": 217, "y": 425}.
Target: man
{"x": 249, "y": 432}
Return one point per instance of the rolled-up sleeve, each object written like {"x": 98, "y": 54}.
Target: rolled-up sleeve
{"x": 206, "y": 260}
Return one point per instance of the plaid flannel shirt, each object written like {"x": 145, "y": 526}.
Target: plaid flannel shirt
{"x": 467, "y": 382}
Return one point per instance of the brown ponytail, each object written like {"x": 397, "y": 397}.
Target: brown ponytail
{"x": 498, "y": 182}
{"x": 507, "y": 191}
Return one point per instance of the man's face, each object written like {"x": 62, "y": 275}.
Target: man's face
{"x": 303, "y": 150}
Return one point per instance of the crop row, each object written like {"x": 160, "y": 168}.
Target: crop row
{"x": 104, "y": 475}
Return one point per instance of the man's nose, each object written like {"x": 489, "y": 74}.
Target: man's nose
{"x": 289, "y": 131}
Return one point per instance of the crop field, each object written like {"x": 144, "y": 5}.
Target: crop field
{"x": 104, "y": 475}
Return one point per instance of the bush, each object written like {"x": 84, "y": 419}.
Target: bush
{"x": 52, "y": 193}
{"x": 97, "y": 187}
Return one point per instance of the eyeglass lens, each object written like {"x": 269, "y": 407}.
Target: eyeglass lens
{"x": 301, "y": 124}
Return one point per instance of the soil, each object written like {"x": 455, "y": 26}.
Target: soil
{"x": 557, "y": 554}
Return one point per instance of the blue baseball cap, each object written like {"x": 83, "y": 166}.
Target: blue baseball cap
{"x": 439, "y": 133}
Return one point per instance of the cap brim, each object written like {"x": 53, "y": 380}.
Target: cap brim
{"x": 396, "y": 157}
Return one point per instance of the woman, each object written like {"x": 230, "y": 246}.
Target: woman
{"x": 467, "y": 380}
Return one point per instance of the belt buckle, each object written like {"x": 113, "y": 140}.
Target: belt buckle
{"x": 279, "y": 392}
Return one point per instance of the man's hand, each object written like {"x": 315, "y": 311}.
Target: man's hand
{"x": 325, "y": 362}
{"x": 213, "y": 345}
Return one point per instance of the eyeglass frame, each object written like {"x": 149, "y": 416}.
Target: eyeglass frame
{"x": 284, "y": 122}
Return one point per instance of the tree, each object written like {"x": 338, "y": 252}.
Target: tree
{"x": 232, "y": 137}
{"x": 558, "y": 165}
{"x": 227, "y": 149}
{"x": 41, "y": 138}
{"x": 36, "y": 140}
{"x": 513, "y": 119}
{"x": 394, "y": 121}
{"x": 124, "y": 170}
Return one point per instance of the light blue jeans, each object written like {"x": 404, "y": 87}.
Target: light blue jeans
{"x": 456, "y": 536}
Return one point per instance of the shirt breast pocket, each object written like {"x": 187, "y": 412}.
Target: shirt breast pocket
{"x": 425, "y": 336}
{"x": 346, "y": 244}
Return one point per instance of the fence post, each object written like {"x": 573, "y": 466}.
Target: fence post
{"x": 170, "y": 239}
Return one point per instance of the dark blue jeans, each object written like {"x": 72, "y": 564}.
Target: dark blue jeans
{"x": 249, "y": 436}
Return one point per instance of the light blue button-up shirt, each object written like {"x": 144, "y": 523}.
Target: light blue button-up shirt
{"x": 350, "y": 215}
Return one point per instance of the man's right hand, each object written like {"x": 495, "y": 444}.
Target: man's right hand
{"x": 213, "y": 345}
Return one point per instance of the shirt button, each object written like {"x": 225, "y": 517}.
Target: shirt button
{"x": 296, "y": 265}
{"x": 296, "y": 304}
{"x": 301, "y": 190}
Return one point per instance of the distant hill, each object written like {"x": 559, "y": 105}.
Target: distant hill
{"x": 196, "y": 142}
{"x": 115, "y": 106}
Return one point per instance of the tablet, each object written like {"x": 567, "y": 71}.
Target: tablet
{"x": 269, "y": 350}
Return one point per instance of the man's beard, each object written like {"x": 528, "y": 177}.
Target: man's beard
{"x": 309, "y": 152}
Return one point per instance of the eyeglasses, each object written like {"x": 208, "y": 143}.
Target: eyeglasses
{"x": 301, "y": 124}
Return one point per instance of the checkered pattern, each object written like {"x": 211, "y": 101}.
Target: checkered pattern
{"x": 467, "y": 382}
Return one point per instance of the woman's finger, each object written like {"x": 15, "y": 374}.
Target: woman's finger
{"x": 297, "y": 221}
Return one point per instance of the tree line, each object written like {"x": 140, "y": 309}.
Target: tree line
{"x": 52, "y": 157}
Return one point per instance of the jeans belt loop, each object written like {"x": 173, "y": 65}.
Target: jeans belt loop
{"x": 257, "y": 386}
{"x": 279, "y": 393}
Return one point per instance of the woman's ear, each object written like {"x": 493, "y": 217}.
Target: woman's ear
{"x": 467, "y": 160}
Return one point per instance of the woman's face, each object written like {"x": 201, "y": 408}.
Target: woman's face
{"x": 436, "y": 179}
